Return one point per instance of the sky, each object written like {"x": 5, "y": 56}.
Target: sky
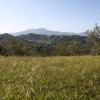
{"x": 59, "y": 15}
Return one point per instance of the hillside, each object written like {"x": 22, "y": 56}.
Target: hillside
{"x": 44, "y": 31}
{"x": 32, "y": 37}
{"x": 35, "y": 44}
{"x": 10, "y": 45}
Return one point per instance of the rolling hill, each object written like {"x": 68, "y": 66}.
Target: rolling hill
{"x": 44, "y": 31}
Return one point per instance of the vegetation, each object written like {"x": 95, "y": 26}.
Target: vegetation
{"x": 50, "y": 78}
{"x": 43, "y": 45}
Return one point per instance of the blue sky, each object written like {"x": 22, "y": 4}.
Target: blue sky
{"x": 61, "y": 15}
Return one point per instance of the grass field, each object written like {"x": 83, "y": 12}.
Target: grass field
{"x": 50, "y": 78}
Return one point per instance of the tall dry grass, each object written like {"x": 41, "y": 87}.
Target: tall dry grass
{"x": 50, "y": 78}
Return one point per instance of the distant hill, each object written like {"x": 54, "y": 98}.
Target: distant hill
{"x": 39, "y": 38}
{"x": 45, "y": 44}
{"x": 8, "y": 42}
{"x": 32, "y": 37}
{"x": 44, "y": 31}
{"x": 37, "y": 44}
{"x": 7, "y": 37}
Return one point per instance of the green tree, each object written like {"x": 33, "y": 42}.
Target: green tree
{"x": 94, "y": 40}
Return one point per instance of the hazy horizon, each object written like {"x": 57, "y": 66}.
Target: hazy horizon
{"x": 37, "y": 29}
{"x": 57, "y": 15}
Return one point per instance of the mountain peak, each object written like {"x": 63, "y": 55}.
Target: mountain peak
{"x": 41, "y": 29}
{"x": 6, "y": 35}
{"x": 44, "y": 31}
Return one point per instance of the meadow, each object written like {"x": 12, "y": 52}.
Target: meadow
{"x": 50, "y": 78}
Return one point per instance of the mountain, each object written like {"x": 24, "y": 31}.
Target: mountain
{"x": 32, "y": 37}
{"x": 37, "y": 44}
{"x": 40, "y": 38}
{"x": 42, "y": 31}
{"x": 9, "y": 39}
{"x": 35, "y": 38}
{"x": 6, "y": 37}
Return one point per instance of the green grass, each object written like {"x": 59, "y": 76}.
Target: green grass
{"x": 50, "y": 78}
